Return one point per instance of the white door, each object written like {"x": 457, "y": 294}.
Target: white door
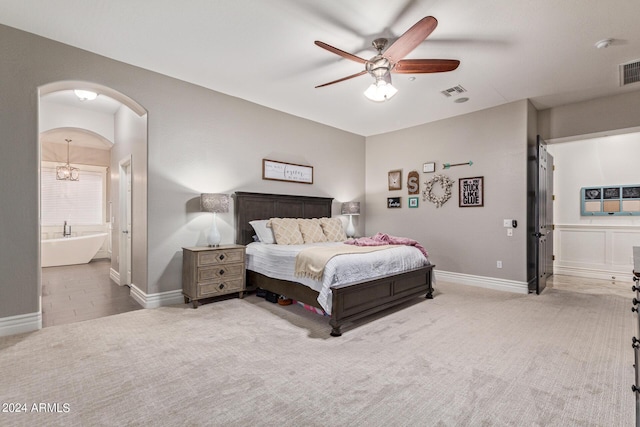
{"x": 125, "y": 221}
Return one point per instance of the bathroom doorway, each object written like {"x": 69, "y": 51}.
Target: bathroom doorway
{"x": 96, "y": 135}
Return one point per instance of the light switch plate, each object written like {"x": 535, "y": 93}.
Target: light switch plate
{"x": 506, "y": 223}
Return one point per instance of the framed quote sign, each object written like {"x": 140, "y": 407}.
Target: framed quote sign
{"x": 281, "y": 171}
{"x": 471, "y": 192}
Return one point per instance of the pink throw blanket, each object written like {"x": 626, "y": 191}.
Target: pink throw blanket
{"x": 385, "y": 239}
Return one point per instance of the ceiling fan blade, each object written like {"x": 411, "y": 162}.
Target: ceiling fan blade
{"x": 419, "y": 66}
{"x": 411, "y": 39}
{"x": 343, "y": 79}
{"x": 342, "y": 53}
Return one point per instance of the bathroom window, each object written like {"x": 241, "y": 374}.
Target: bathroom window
{"x": 77, "y": 202}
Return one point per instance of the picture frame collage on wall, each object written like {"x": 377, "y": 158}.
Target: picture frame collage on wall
{"x": 470, "y": 190}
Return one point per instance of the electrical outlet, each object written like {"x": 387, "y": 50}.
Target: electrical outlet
{"x": 499, "y": 264}
{"x": 509, "y": 232}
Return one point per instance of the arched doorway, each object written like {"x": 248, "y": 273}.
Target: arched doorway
{"x": 99, "y": 134}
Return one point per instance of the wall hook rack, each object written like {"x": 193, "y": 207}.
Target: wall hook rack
{"x": 448, "y": 165}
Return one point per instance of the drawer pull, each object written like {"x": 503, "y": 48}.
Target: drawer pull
{"x": 221, "y": 286}
{"x": 221, "y": 272}
{"x": 221, "y": 257}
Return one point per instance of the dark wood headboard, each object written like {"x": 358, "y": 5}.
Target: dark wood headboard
{"x": 252, "y": 206}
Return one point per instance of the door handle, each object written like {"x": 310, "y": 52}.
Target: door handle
{"x": 538, "y": 234}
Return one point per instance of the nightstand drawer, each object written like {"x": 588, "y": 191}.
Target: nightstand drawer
{"x": 220, "y": 272}
{"x": 219, "y": 287}
{"x": 222, "y": 256}
{"x": 212, "y": 272}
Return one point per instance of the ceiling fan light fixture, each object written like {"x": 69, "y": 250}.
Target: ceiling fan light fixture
{"x": 380, "y": 91}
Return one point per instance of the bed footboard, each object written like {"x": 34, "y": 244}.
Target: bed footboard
{"x": 356, "y": 300}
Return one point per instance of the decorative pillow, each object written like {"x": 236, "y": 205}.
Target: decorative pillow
{"x": 264, "y": 233}
{"x": 311, "y": 230}
{"x": 332, "y": 228}
{"x": 286, "y": 231}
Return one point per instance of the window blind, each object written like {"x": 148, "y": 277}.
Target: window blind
{"x": 77, "y": 202}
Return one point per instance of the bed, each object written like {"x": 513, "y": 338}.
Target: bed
{"x": 349, "y": 301}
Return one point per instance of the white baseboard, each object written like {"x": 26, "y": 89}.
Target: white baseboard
{"x": 20, "y": 324}
{"x": 156, "y": 300}
{"x": 115, "y": 276}
{"x": 594, "y": 273}
{"x": 482, "y": 282}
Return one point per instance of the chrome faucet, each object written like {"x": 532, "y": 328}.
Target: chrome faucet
{"x": 66, "y": 231}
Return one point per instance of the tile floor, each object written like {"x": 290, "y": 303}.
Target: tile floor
{"x": 619, "y": 286}
{"x": 82, "y": 292}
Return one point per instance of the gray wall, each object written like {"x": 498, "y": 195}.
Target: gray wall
{"x": 198, "y": 141}
{"x": 464, "y": 240}
{"x": 597, "y": 116}
{"x": 130, "y": 139}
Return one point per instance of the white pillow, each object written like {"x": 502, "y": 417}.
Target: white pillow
{"x": 264, "y": 233}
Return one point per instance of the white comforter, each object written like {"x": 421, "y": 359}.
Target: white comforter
{"x": 278, "y": 262}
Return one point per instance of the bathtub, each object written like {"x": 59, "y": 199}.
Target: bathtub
{"x": 70, "y": 250}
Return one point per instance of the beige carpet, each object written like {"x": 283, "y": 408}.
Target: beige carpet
{"x": 469, "y": 357}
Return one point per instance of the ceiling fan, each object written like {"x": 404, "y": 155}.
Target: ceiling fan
{"x": 382, "y": 65}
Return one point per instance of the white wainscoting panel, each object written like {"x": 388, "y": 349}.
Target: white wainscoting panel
{"x": 596, "y": 251}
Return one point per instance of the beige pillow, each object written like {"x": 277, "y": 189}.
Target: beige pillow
{"x": 286, "y": 231}
{"x": 311, "y": 230}
{"x": 332, "y": 228}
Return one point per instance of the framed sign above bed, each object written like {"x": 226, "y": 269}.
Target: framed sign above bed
{"x": 281, "y": 171}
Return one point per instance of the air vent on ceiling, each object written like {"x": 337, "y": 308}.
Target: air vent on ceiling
{"x": 630, "y": 73}
{"x": 453, "y": 91}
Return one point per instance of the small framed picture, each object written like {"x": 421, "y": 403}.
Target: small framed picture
{"x": 471, "y": 192}
{"x": 395, "y": 180}
{"x": 413, "y": 202}
{"x": 394, "y": 202}
{"x": 429, "y": 167}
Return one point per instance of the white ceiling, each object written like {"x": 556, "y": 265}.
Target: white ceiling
{"x": 102, "y": 104}
{"x": 263, "y": 51}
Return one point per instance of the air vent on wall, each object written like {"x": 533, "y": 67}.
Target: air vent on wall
{"x": 630, "y": 73}
{"x": 453, "y": 91}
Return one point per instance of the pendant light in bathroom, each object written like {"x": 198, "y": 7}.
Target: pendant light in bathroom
{"x": 66, "y": 172}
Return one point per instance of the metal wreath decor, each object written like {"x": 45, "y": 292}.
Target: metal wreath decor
{"x": 445, "y": 182}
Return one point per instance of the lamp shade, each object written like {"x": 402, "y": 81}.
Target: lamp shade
{"x": 214, "y": 202}
{"x": 350, "y": 208}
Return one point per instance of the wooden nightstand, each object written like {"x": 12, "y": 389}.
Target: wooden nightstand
{"x": 211, "y": 272}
